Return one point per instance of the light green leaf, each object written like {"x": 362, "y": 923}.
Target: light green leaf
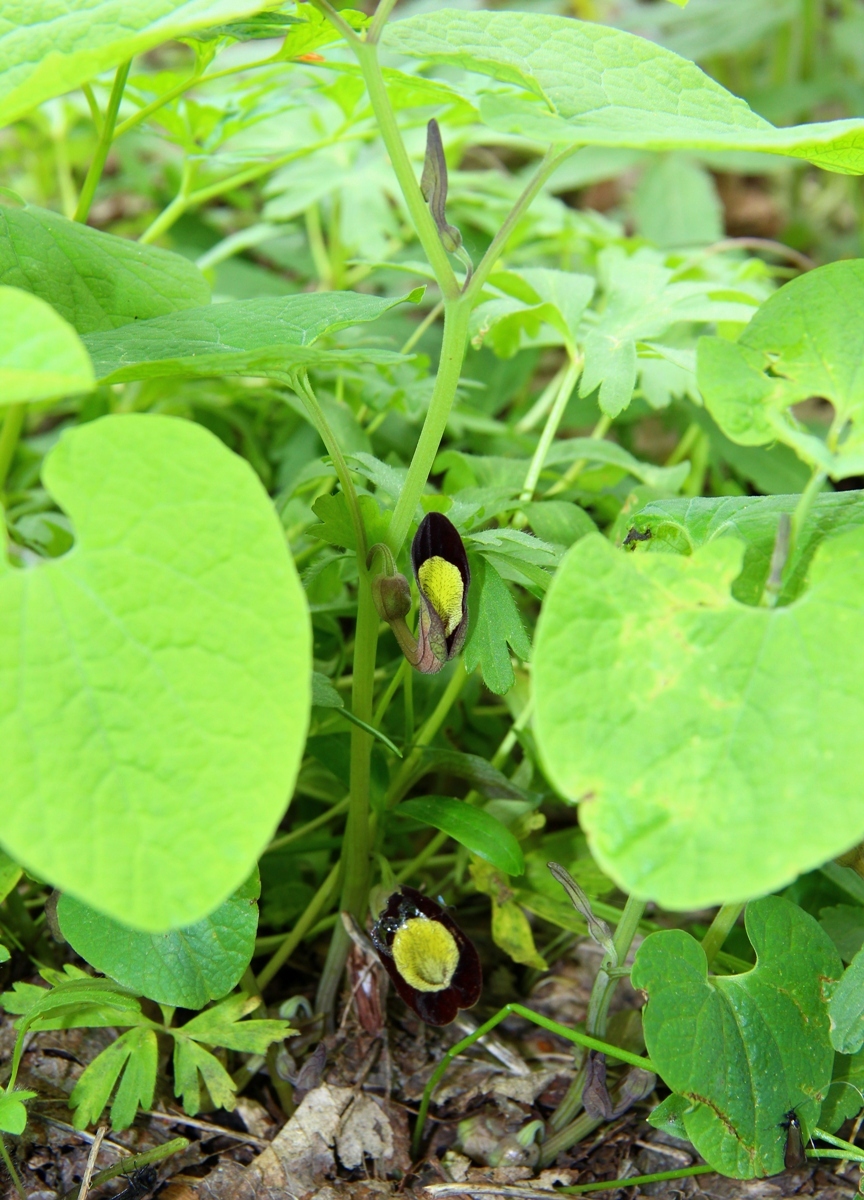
{"x": 846, "y": 1008}
{"x": 94, "y": 280}
{"x": 10, "y": 873}
{"x": 698, "y": 731}
{"x": 13, "y": 1114}
{"x": 768, "y": 1028}
{"x": 558, "y": 298}
{"x": 157, "y": 676}
{"x": 241, "y": 337}
{"x": 495, "y": 625}
{"x": 136, "y": 1051}
{"x": 512, "y": 931}
{"x": 589, "y": 84}
{"x": 190, "y": 1059}
{"x": 676, "y": 204}
{"x": 47, "y": 48}
{"x": 601, "y": 451}
{"x": 185, "y": 967}
{"x": 223, "y": 1025}
{"x": 806, "y": 340}
{"x": 560, "y": 522}
{"x": 41, "y": 357}
{"x": 336, "y": 526}
{"x": 471, "y": 827}
{"x": 682, "y": 526}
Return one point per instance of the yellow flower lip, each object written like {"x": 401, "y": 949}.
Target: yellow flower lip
{"x": 443, "y": 577}
{"x": 442, "y": 583}
{"x": 425, "y": 953}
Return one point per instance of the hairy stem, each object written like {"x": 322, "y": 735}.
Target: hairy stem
{"x": 94, "y": 174}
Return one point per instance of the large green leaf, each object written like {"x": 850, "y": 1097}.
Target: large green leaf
{"x": 682, "y": 526}
{"x": 587, "y": 84}
{"x": 154, "y": 682}
{"x": 702, "y": 736}
{"x": 48, "y": 47}
{"x": 41, "y": 356}
{"x": 95, "y": 280}
{"x": 184, "y": 967}
{"x": 243, "y": 337}
{"x": 806, "y": 340}
{"x": 742, "y": 1050}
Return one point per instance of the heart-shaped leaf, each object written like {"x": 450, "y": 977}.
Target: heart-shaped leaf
{"x": 698, "y": 732}
{"x": 184, "y": 967}
{"x": 742, "y": 1049}
{"x": 471, "y": 827}
{"x": 154, "y": 681}
{"x": 41, "y": 357}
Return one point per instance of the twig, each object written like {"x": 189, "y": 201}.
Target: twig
{"x": 91, "y": 1162}
{"x": 205, "y": 1127}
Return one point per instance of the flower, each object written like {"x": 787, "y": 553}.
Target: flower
{"x": 433, "y": 964}
{"x": 441, "y": 570}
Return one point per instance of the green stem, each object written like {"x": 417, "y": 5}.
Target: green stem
{"x": 335, "y": 19}
{"x": 10, "y": 1167}
{"x": 133, "y": 1162}
{"x": 572, "y": 1035}
{"x": 383, "y": 11}
{"x": 549, "y": 164}
{"x": 614, "y": 1185}
{"x": 602, "y": 992}
{"x": 94, "y": 174}
{"x": 357, "y": 839}
{"x": 456, "y": 314}
{"x": 430, "y": 727}
{"x": 367, "y": 56}
{"x": 565, "y": 391}
{"x": 93, "y": 105}
{"x": 719, "y": 930}
{"x": 802, "y": 510}
{"x": 13, "y": 423}
{"x": 542, "y": 404}
{"x": 575, "y": 470}
{"x": 295, "y": 834}
{"x": 175, "y": 209}
{"x": 429, "y": 320}
{"x": 290, "y": 943}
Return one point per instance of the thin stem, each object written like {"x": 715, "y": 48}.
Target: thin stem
{"x": 390, "y": 691}
{"x": 455, "y": 338}
{"x": 175, "y": 209}
{"x": 133, "y": 1162}
{"x": 385, "y": 7}
{"x": 575, "y": 469}
{"x": 802, "y": 510}
{"x": 294, "y": 836}
{"x": 13, "y": 423}
{"x": 572, "y": 1035}
{"x": 429, "y": 320}
{"x": 303, "y": 388}
{"x": 10, "y": 1167}
{"x": 93, "y": 105}
{"x": 568, "y": 383}
{"x": 549, "y": 164}
{"x": 719, "y": 930}
{"x": 94, "y": 174}
{"x": 367, "y": 56}
{"x": 290, "y": 943}
{"x": 427, "y": 733}
{"x": 542, "y": 404}
{"x": 614, "y": 1185}
{"x": 357, "y": 840}
{"x": 334, "y": 18}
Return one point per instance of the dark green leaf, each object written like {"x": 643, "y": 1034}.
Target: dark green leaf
{"x": 476, "y": 830}
{"x": 495, "y": 625}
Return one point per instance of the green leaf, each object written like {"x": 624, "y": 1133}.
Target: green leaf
{"x": 324, "y": 694}
{"x": 135, "y": 1054}
{"x": 557, "y": 298}
{"x": 682, "y": 526}
{"x": 559, "y": 522}
{"x": 669, "y": 1116}
{"x": 471, "y": 827}
{"x": 268, "y": 335}
{"x": 844, "y": 924}
{"x": 37, "y": 1004}
{"x": 845, "y": 1097}
{"x": 336, "y": 526}
{"x": 13, "y": 1114}
{"x": 806, "y": 340}
{"x": 47, "y": 48}
{"x": 223, "y": 1025}
{"x": 589, "y": 84}
{"x": 600, "y": 450}
{"x": 10, "y": 873}
{"x": 185, "y": 967}
{"x": 676, "y": 204}
{"x": 512, "y": 931}
{"x": 766, "y": 1030}
{"x": 190, "y": 1059}
{"x": 94, "y": 280}
{"x": 160, "y": 672}
{"x": 41, "y": 357}
{"x": 700, "y": 732}
{"x": 495, "y": 626}
{"x": 846, "y": 1008}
